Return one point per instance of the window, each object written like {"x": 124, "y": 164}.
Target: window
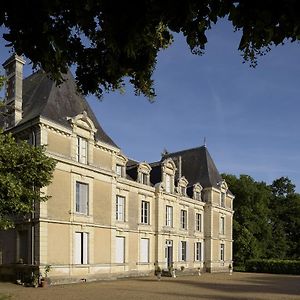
{"x": 81, "y": 150}
{"x": 197, "y": 195}
{"x": 81, "y": 248}
{"x": 198, "y": 222}
{"x": 144, "y": 178}
{"x": 222, "y": 225}
{"x": 183, "y": 219}
{"x": 120, "y": 208}
{"x": 145, "y": 212}
{"x": 182, "y": 256}
{"x": 182, "y": 188}
{"x": 222, "y": 252}
{"x": 119, "y": 170}
{"x": 169, "y": 216}
{"x": 168, "y": 183}
{"x": 144, "y": 251}
{"x": 198, "y": 251}
{"x": 82, "y": 198}
{"x": 223, "y": 196}
{"x": 120, "y": 249}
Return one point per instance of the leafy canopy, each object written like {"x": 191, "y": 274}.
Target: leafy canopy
{"x": 108, "y": 40}
{"x": 24, "y": 170}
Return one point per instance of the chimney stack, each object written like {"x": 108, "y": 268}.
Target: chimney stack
{"x": 14, "y": 85}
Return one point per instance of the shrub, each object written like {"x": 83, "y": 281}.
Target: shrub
{"x": 273, "y": 266}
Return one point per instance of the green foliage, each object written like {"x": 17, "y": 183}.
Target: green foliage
{"x": 266, "y": 221}
{"x": 273, "y": 266}
{"x": 108, "y": 40}
{"x": 24, "y": 170}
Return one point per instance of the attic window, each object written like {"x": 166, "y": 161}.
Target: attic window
{"x": 144, "y": 178}
{"x": 119, "y": 170}
{"x": 168, "y": 183}
{"x": 223, "y": 196}
{"x": 81, "y": 153}
{"x": 183, "y": 190}
{"x": 197, "y": 195}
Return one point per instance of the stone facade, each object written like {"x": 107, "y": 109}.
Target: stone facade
{"x": 109, "y": 216}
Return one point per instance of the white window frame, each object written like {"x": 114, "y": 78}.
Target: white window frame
{"x": 81, "y": 248}
{"x": 198, "y": 251}
{"x": 82, "y": 150}
{"x": 120, "y": 250}
{"x": 120, "y": 208}
{"x": 183, "y": 219}
{"x": 199, "y": 222}
{"x": 169, "y": 216}
{"x": 144, "y": 250}
{"x": 145, "y": 212}
{"x": 81, "y": 205}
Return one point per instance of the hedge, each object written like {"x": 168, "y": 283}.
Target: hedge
{"x": 273, "y": 266}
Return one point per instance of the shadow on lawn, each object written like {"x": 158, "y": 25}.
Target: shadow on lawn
{"x": 262, "y": 284}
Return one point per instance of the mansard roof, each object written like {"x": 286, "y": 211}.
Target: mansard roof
{"x": 41, "y": 97}
{"x": 197, "y": 166}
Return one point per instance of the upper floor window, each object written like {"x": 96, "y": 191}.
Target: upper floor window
{"x": 198, "y": 222}
{"x": 222, "y": 225}
{"x": 145, "y": 212}
{"x": 82, "y": 197}
{"x": 169, "y": 216}
{"x": 81, "y": 151}
{"x": 120, "y": 208}
{"x": 183, "y": 219}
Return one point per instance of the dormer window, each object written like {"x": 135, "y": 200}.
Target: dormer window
{"x": 223, "y": 197}
{"x": 181, "y": 186}
{"x": 197, "y": 192}
{"x": 168, "y": 174}
{"x": 223, "y": 191}
{"x": 144, "y": 178}
{"x": 119, "y": 170}
{"x": 143, "y": 173}
{"x": 81, "y": 153}
{"x": 168, "y": 183}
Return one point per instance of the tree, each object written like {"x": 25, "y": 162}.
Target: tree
{"x": 108, "y": 40}
{"x": 24, "y": 170}
{"x": 252, "y": 231}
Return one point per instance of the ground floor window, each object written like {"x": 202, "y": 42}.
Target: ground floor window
{"x": 81, "y": 248}
{"x": 144, "y": 250}
{"x": 222, "y": 252}
{"x": 198, "y": 251}
{"x": 120, "y": 249}
{"x": 182, "y": 252}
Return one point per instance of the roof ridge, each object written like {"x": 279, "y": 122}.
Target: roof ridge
{"x": 184, "y": 150}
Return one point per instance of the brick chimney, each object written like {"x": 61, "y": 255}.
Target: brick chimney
{"x": 14, "y": 82}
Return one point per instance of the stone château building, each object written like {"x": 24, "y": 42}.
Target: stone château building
{"x": 110, "y": 216}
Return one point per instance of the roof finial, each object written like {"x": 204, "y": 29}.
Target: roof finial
{"x": 164, "y": 152}
{"x": 204, "y": 142}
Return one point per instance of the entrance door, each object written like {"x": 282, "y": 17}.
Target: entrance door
{"x": 169, "y": 253}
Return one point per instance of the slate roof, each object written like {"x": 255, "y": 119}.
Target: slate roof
{"x": 197, "y": 166}
{"x": 41, "y": 97}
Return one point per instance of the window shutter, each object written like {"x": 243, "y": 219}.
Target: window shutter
{"x": 84, "y": 198}
{"x": 120, "y": 247}
{"x": 77, "y": 248}
{"x": 85, "y": 247}
{"x": 144, "y": 251}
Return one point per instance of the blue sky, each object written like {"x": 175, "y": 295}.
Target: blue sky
{"x": 249, "y": 117}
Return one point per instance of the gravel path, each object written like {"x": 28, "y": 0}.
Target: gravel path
{"x": 206, "y": 286}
